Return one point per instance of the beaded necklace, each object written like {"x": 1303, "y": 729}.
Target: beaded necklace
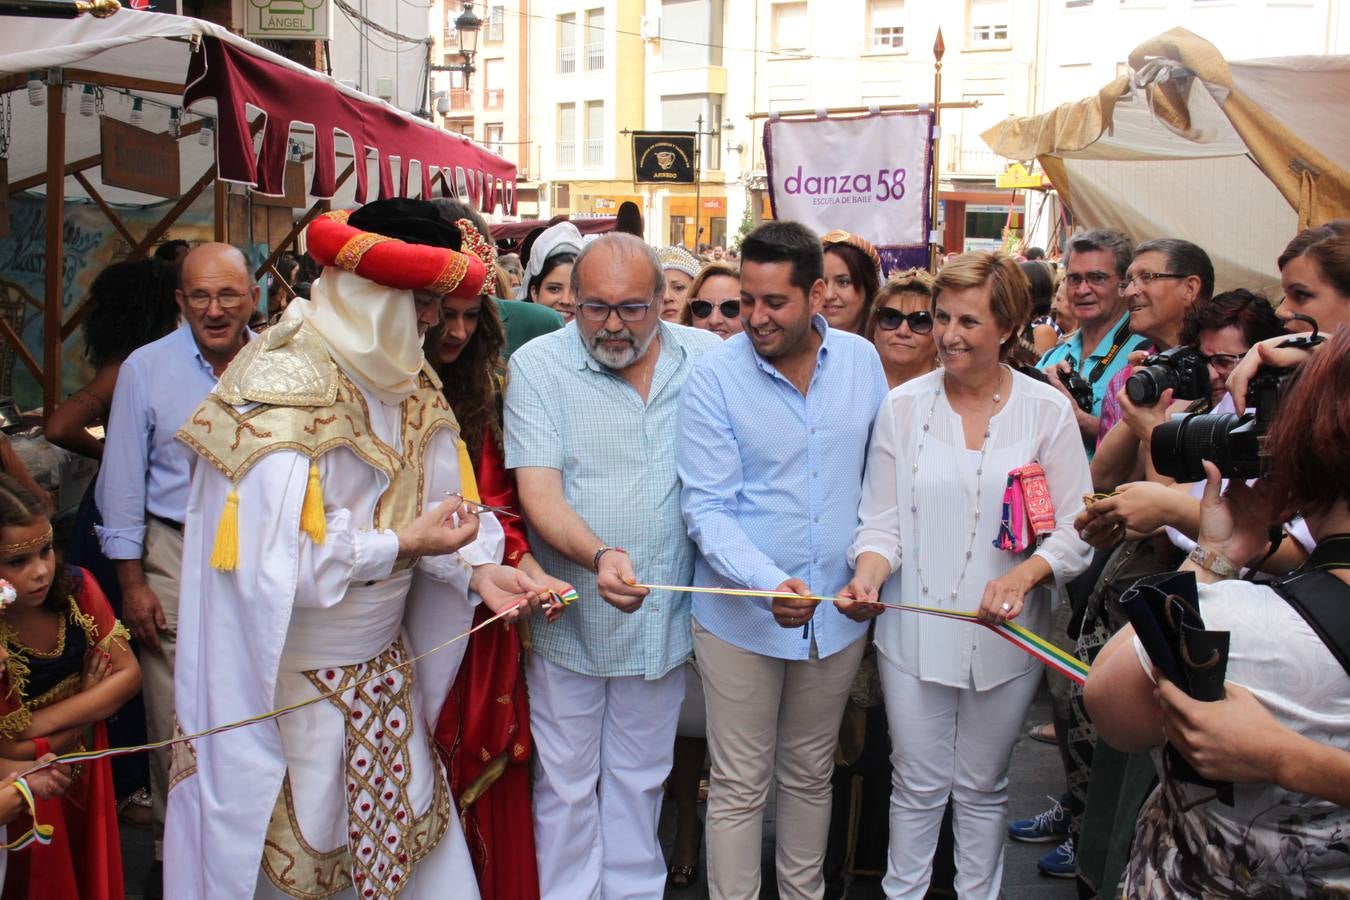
{"x": 914, "y": 495}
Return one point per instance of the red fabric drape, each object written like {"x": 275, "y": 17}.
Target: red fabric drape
{"x": 485, "y": 724}
{"x": 84, "y": 860}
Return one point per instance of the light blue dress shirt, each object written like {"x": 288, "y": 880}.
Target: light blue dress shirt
{"x": 772, "y": 481}
{"x": 617, "y": 457}
{"x": 145, "y": 470}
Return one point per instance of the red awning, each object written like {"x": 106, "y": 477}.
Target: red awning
{"x": 515, "y": 231}
{"x": 236, "y": 79}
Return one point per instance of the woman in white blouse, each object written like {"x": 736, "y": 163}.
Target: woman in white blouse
{"x": 956, "y": 693}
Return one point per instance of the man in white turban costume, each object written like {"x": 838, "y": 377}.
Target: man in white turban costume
{"x": 326, "y": 544}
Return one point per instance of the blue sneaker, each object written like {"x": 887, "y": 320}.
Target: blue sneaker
{"x": 1043, "y": 828}
{"x": 1059, "y": 862}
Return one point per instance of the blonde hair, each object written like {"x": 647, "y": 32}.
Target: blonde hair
{"x": 1009, "y": 292}
{"x": 716, "y": 268}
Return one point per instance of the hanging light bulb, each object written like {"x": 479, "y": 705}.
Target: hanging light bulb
{"x": 87, "y": 101}
{"x": 204, "y": 136}
{"x": 175, "y": 123}
{"x": 137, "y": 111}
{"x": 37, "y": 89}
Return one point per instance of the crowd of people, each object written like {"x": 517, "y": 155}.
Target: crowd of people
{"x": 728, "y": 514}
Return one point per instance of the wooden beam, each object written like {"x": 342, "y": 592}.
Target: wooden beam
{"x": 7, "y": 332}
{"x": 320, "y": 206}
{"x": 33, "y": 181}
{"x": 54, "y": 264}
{"x": 164, "y": 224}
{"x": 126, "y": 82}
{"x": 861, "y": 110}
{"x": 113, "y": 217}
{"x": 12, "y": 82}
{"x": 221, "y": 199}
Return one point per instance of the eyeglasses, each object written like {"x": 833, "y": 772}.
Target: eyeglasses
{"x": 889, "y": 319}
{"x": 1147, "y": 278}
{"x": 1222, "y": 362}
{"x": 701, "y": 309}
{"x": 228, "y": 300}
{"x": 594, "y": 311}
{"x": 1096, "y": 279}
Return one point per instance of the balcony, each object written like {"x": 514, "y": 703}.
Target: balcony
{"x": 494, "y": 98}
{"x": 595, "y": 153}
{"x": 983, "y": 161}
{"x": 595, "y": 57}
{"x": 460, "y": 100}
{"x": 567, "y": 60}
{"x": 567, "y": 154}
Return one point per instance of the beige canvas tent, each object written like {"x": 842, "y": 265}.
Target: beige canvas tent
{"x": 1235, "y": 156}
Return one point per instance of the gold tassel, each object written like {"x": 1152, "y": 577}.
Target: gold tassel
{"x": 312, "y": 519}
{"x": 468, "y": 486}
{"x": 225, "y": 554}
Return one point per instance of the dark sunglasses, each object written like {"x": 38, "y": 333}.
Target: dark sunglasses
{"x": 731, "y": 309}
{"x": 889, "y": 319}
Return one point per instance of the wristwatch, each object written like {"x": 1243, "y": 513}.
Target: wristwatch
{"x": 1213, "y": 561}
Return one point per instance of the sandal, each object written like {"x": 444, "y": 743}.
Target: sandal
{"x": 681, "y": 877}
{"x": 1044, "y": 732}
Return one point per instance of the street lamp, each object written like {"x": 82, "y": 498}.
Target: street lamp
{"x": 467, "y": 25}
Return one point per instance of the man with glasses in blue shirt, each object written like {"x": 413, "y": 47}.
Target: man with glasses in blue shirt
{"x": 142, "y": 488}
{"x": 590, "y": 433}
{"x": 773, "y": 437}
{"x": 1095, "y": 263}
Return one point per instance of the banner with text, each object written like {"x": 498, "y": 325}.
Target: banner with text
{"x": 868, "y": 176}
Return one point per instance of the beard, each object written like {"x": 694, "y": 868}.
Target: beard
{"x": 622, "y": 357}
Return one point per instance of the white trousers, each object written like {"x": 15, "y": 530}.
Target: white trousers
{"x": 770, "y": 720}
{"x": 955, "y": 742}
{"x": 603, "y": 750}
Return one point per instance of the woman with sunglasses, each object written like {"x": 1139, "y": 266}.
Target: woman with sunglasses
{"x": 716, "y": 303}
{"x": 852, "y": 274}
{"x": 901, "y": 326}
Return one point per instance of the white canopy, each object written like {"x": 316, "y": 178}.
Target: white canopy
{"x": 1235, "y": 156}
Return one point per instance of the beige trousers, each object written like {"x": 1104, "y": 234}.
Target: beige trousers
{"x": 770, "y": 720}
{"x": 163, "y": 563}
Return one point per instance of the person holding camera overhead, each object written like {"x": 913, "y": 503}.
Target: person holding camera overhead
{"x": 1085, "y": 361}
{"x": 1278, "y": 837}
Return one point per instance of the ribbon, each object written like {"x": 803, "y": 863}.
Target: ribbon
{"x": 1027, "y": 641}
{"x": 108, "y": 753}
{"x": 39, "y": 833}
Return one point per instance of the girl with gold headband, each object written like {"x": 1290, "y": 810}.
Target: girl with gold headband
{"x": 69, "y": 668}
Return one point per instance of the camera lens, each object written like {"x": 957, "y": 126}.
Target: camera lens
{"x": 1146, "y": 385}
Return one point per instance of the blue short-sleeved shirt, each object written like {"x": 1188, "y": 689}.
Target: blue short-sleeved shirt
{"x": 616, "y": 454}
{"x": 1072, "y": 347}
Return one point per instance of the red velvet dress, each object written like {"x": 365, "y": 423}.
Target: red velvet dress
{"x": 84, "y": 860}
{"x": 484, "y": 726}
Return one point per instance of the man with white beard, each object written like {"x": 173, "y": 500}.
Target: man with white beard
{"x": 590, "y": 433}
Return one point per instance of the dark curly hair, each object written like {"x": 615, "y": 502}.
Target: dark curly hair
{"x": 131, "y": 304}
{"x": 473, "y": 383}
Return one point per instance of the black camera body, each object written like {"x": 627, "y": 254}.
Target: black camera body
{"x": 1233, "y": 443}
{"x": 1182, "y": 369}
{"x": 1078, "y": 389}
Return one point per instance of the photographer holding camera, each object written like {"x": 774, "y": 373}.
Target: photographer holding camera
{"x": 1285, "y": 733}
{"x": 1315, "y": 276}
{"x": 1165, "y": 279}
{"x": 1084, "y": 362}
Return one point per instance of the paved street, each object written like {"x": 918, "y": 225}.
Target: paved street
{"x": 1036, "y": 774}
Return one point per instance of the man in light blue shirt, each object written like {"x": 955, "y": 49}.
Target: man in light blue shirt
{"x": 1095, "y": 263}
{"x": 774, "y": 428}
{"x": 142, "y": 489}
{"x": 590, "y": 433}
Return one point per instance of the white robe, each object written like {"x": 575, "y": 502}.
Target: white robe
{"x": 233, "y": 627}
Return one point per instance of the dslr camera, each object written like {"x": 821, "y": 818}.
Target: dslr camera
{"x": 1077, "y": 386}
{"x": 1233, "y": 443}
{"x": 1182, "y": 369}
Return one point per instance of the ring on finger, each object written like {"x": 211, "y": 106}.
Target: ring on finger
{"x": 1007, "y": 607}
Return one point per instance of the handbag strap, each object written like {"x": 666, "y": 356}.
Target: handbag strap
{"x": 1323, "y": 600}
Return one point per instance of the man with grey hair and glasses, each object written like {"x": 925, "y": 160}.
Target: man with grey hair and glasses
{"x": 1095, "y": 263}
{"x": 590, "y": 432}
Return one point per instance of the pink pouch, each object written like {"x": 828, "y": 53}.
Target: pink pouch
{"x": 1028, "y": 511}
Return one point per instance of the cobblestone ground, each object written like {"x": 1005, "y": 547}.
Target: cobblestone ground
{"x": 1036, "y": 774}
